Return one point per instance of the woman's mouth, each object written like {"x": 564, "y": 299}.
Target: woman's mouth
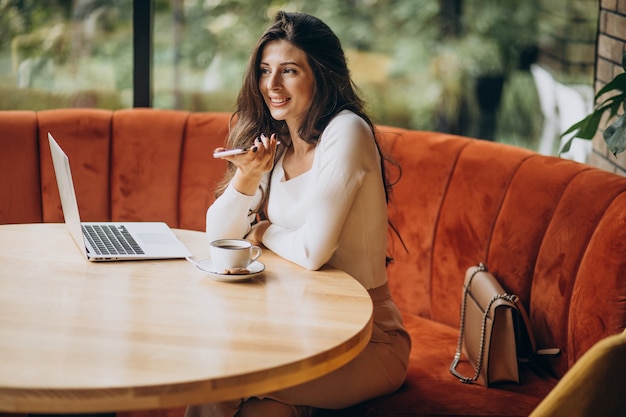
{"x": 278, "y": 101}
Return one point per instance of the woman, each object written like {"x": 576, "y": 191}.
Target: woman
{"x": 316, "y": 178}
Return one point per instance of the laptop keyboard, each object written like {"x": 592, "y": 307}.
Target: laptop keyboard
{"x": 111, "y": 240}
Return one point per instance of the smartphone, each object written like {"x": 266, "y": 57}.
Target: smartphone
{"x": 229, "y": 152}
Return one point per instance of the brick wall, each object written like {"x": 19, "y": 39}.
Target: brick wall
{"x": 611, "y": 44}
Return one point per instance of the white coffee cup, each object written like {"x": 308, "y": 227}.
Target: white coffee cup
{"x": 227, "y": 254}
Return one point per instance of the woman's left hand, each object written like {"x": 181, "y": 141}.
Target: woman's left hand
{"x": 256, "y": 233}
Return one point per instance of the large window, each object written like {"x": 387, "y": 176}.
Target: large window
{"x": 418, "y": 63}
{"x": 64, "y": 53}
{"x": 202, "y": 46}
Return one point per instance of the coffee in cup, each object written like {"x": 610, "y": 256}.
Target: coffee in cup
{"x": 233, "y": 256}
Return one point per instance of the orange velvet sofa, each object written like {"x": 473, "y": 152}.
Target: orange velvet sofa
{"x": 552, "y": 230}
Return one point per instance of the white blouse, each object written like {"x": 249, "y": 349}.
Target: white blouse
{"x": 334, "y": 214}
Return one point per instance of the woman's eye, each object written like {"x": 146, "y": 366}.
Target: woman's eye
{"x": 289, "y": 70}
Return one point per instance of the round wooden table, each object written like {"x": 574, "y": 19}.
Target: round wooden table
{"x": 78, "y": 336}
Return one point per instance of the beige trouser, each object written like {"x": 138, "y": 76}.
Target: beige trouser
{"x": 379, "y": 369}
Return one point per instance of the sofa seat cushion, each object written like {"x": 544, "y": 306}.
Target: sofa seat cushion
{"x": 430, "y": 389}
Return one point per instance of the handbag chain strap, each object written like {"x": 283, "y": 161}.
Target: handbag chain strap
{"x": 483, "y": 329}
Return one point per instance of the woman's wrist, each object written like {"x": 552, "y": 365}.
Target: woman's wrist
{"x": 246, "y": 183}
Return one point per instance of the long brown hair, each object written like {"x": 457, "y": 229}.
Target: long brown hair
{"x": 334, "y": 89}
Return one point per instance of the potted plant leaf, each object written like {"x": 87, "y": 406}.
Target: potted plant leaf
{"x": 615, "y": 134}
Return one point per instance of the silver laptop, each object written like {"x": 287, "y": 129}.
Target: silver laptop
{"x": 111, "y": 241}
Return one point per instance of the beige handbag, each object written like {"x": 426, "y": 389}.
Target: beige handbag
{"x": 494, "y": 330}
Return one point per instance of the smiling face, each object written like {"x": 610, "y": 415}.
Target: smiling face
{"x": 286, "y": 82}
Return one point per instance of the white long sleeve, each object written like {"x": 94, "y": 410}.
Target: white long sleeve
{"x": 335, "y": 213}
{"x": 230, "y": 217}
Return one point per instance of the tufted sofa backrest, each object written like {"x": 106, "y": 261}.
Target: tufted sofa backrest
{"x": 553, "y": 231}
{"x": 139, "y": 164}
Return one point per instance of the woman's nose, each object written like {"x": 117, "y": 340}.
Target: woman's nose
{"x": 273, "y": 82}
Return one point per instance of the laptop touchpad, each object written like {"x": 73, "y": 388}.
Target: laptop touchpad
{"x": 155, "y": 238}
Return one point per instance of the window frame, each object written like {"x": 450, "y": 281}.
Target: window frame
{"x": 143, "y": 23}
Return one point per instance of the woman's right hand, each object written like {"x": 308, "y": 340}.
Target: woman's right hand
{"x": 253, "y": 164}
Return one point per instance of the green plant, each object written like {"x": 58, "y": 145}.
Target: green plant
{"x": 615, "y": 134}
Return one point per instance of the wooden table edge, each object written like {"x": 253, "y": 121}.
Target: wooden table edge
{"x": 96, "y": 400}
{"x": 158, "y": 397}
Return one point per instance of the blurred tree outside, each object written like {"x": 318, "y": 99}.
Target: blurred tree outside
{"x": 74, "y": 53}
{"x": 410, "y": 58}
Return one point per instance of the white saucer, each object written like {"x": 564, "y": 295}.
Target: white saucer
{"x": 255, "y": 269}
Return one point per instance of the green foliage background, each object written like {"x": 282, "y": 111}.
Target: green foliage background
{"x": 426, "y": 80}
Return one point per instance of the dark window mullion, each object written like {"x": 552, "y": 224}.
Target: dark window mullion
{"x": 142, "y": 52}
